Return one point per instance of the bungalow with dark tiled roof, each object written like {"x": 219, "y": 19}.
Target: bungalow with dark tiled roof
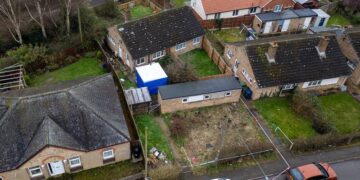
{"x": 219, "y": 9}
{"x": 61, "y": 128}
{"x": 350, "y": 46}
{"x": 273, "y": 65}
{"x": 146, "y": 40}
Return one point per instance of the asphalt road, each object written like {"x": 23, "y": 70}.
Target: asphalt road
{"x": 346, "y": 170}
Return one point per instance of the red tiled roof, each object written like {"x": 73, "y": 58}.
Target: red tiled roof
{"x": 215, "y": 6}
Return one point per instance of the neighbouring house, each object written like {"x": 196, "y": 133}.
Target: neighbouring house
{"x": 350, "y": 46}
{"x": 309, "y": 3}
{"x": 272, "y": 66}
{"x": 195, "y": 94}
{"x": 285, "y": 21}
{"x": 322, "y": 18}
{"x": 147, "y": 40}
{"x": 219, "y": 9}
{"x": 151, "y": 76}
{"x": 61, "y": 128}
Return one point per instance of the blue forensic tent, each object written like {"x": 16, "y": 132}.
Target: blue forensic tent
{"x": 151, "y": 76}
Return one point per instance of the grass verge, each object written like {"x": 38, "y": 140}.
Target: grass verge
{"x": 84, "y": 67}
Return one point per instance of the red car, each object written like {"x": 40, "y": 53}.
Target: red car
{"x": 314, "y": 171}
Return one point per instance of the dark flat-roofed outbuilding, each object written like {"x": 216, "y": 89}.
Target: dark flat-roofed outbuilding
{"x": 304, "y": 12}
{"x": 199, "y": 87}
{"x": 287, "y": 14}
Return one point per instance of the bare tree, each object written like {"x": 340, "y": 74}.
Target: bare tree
{"x": 9, "y": 14}
{"x": 40, "y": 17}
{"x": 67, "y": 12}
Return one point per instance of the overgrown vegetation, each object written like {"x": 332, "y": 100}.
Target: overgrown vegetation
{"x": 229, "y": 35}
{"x": 178, "y": 3}
{"x": 127, "y": 83}
{"x": 177, "y": 71}
{"x": 164, "y": 172}
{"x": 156, "y": 137}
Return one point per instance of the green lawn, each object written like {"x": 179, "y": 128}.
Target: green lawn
{"x": 156, "y": 137}
{"x": 178, "y": 3}
{"x": 109, "y": 172}
{"x": 277, "y": 112}
{"x": 85, "y": 67}
{"x": 229, "y": 35}
{"x": 201, "y": 63}
{"x": 338, "y": 19}
{"x": 343, "y": 111}
{"x": 140, "y": 11}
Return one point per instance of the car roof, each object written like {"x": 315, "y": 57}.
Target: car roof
{"x": 310, "y": 170}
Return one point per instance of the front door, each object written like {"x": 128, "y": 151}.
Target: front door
{"x": 56, "y": 168}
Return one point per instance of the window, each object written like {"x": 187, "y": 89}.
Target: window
{"x": 196, "y": 40}
{"x": 252, "y": 10}
{"x": 108, "y": 154}
{"x": 74, "y": 162}
{"x": 227, "y": 94}
{"x": 229, "y": 54}
{"x": 206, "y": 96}
{"x": 194, "y": 4}
{"x": 235, "y": 13}
{"x": 247, "y": 76}
{"x": 217, "y": 15}
{"x": 322, "y": 21}
{"x": 127, "y": 56}
{"x": 35, "y": 171}
{"x": 314, "y": 83}
{"x": 158, "y": 55}
{"x": 180, "y": 46}
{"x": 111, "y": 40}
{"x": 140, "y": 61}
{"x": 237, "y": 63}
{"x": 184, "y": 100}
{"x": 288, "y": 86}
{"x": 277, "y": 8}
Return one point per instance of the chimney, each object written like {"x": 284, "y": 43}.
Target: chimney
{"x": 323, "y": 44}
{"x": 272, "y": 52}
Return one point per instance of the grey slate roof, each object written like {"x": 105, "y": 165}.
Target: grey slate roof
{"x": 199, "y": 87}
{"x": 287, "y": 14}
{"x": 82, "y": 116}
{"x": 296, "y": 61}
{"x": 157, "y": 32}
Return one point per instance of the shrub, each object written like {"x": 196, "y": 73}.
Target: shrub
{"x": 107, "y": 10}
{"x": 179, "y": 72}
{"x": 26, "y": 54}
{"x": 307, "y": 105}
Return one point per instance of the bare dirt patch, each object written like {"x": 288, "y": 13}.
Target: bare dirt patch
{"x": 228, "y": 128}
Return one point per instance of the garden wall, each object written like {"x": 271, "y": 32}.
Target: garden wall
{"x": 216, "y": 57}
{"x": 227, "y": 23}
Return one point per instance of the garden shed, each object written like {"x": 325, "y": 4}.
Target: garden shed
{"x": 138, "y": 99}
{"x": 151, "y": 76}
{"x": 321, "y": 19}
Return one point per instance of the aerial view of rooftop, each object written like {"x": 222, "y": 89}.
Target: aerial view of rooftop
{"x": 179, "y": 89}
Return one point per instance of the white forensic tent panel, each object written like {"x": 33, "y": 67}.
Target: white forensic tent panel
{"x": 267, "y": 27}
{"x": 307, "y": 22}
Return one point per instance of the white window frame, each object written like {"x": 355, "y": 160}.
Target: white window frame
{"x": 34, "y": 168}
{"x": 108, "y": 157}
{"x": 229, "y": 54}
{"x": 217, "y": 15}
{"x": 236, "y": 12}
{"x": 227, "y": 94}
{"x": 314, "y": 83}
{"x": 158, "y": 55}
{"x": 142, "y": 61}
{"x": 180, "y": 46}
{"x": 288, "y": 86}
{"x": 196, "y": 40}
{"x": 184, "y": 100}
{"x": 74, "y": 159}
{"x": 278, "y": 8}
{"x": 252, "y": 10}
{"x": 111, "y": 40}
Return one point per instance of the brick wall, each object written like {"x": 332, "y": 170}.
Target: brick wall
{"x": 216, "y": 57}
{"x": 89, "y": 160}
{"x": 173, "y": 105}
